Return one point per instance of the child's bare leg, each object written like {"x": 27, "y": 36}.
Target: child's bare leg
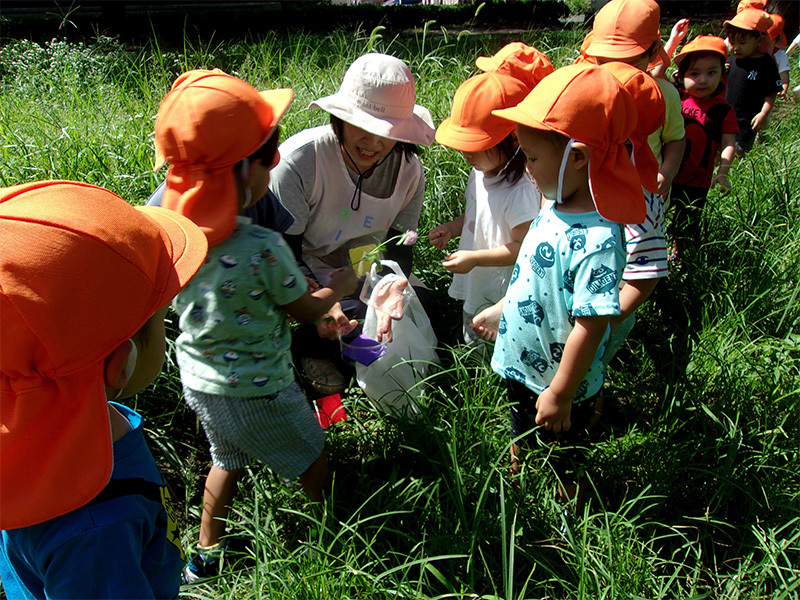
{"x": 577, "y": 491}
{"x": 315, "y": 479}
{"x": 515, "y": 468}
{"x": 217, "y": 498}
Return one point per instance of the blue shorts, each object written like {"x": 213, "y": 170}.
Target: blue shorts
{"x": 280, "y": 430}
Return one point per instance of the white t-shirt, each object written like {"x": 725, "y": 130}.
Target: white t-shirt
{"x": 783, "y": 61}
{"x": 493, "y": 208}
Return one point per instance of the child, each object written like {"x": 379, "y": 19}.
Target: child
{"x": 645, "y": 244}
{"x": 711, "y": 128}
{"x": 500, "y": 201}
{"x": 553, "y": 322}
{"x": 753, "y": 80}
{"x": 84, "y": 283}
{"x": 221, "y": 137}
{"x": 628, "y": 31}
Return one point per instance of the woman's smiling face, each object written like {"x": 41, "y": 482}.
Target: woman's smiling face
{"x": 362, "y": 150}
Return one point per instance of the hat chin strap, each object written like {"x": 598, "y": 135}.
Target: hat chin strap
{"x": 355, "y": 201}
{"x": 559, "y": 199}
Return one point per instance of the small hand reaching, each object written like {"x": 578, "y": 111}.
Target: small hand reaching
{"x": 462, "y": 261}
{"x": 335, "y": 323}
{"x": 439, "y": 236}
{"x": 486, "y": 323}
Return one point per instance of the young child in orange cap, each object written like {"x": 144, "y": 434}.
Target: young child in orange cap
{"x": 552, "y": 325}
{"x": 753, "y": 79}
{"x": 220, "y": 137}
{"x": 645, "y": 243}
{"x": 85, "y": 280}
{"x": 628, "y": 31}
{"x": 500, "y": 202}
{"x": 710, "y": 124}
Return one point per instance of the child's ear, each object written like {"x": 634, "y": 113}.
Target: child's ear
{"x": 119, "y": 368}
{"x": 580, "y": 155}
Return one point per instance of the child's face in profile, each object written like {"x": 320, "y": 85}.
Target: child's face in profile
{"x": 703, "y": 76}
{"x": 543, "y": 160}
{"x": 487, "y": 162}
{"x": 744, "y": 44}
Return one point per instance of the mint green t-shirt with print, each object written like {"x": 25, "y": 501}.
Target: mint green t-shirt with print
{"x": 235, "y": 338}
{"x": 569, "y": 265}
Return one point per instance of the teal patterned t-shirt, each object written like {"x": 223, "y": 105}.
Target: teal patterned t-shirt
{"x": 569, "y": 265}
{"x": 235, "y": 336}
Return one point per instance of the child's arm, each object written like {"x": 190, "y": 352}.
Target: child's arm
{"x": 631, "y": 296}
{"x": 672, "y": 153}
{"x": 487, "y": 322}
{"x": 760, "y": 120}
{"x": 312, "y": 305}
{"x": 441, "y": 234}
{"x": 555, "y": 402}
{"x": 463, "y": 261}
{"x": 725, "y": 159}
{"x": 679, "y": 31}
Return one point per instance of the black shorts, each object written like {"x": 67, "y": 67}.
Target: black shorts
{"x": 569, "y": 447}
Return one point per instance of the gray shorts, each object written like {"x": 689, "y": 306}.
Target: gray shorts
{"x": 279, "y": 430}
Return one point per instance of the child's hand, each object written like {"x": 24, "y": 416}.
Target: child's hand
{"x": 487, "y": 322}
{"x": 439, "y": 236}
{"x": 344, "y": 281}
{"x": 552, "y": 412}
{"x": 679, "y": 30}
{"x": 462, "y": 261}
{"x": 759, "y": 122}
{"x": 721, "y": 179}
{"x": 335, "y": 323}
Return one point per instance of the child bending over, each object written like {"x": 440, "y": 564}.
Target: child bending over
{"x": 233, "y": 350}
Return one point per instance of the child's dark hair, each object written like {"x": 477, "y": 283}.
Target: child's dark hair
{"x": 266, "y": 152}
{"x": 690, "y": 59}
{"x": 409, "y": 150}
{"x": 731, "y": 31}
{"x": 512, "y": 158}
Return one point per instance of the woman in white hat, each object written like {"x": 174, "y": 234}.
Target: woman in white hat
{"x": 353, "y": 183}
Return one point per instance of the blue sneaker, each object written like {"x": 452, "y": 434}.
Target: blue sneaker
{"x": 206, "y": 563}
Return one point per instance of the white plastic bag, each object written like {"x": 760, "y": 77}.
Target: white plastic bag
{"x": 392, "y": 382}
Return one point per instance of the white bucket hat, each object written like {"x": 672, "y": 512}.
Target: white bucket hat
{"x": 378, "y": 94}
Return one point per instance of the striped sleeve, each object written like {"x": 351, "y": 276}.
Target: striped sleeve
{"x": 645, "y": 244}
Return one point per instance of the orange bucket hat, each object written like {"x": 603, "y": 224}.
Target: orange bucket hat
{"x": 759, "y": 4}
{"x": 651, "y": 113}
{"x": 583, "y": 57}
{"x": 703, "y": 43}
{"x": 472, "y": 127}
{"x": 519, "y": 60}
{"x": 751, "y": 19}
{"x": 207, "y": 123}
{"x": 587, "y": 104}
{"x": 625, "y": 29}
{"x": 81, "y": 271}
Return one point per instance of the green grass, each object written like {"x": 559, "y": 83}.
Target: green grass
{"x": 695, "y": 474}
